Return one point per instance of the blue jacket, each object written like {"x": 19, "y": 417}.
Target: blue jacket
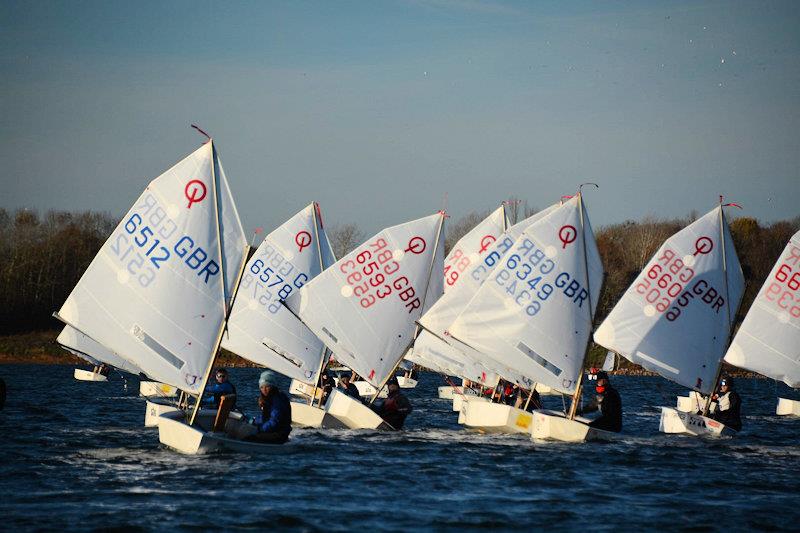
{"x": 276, "y": 414}
{"x": 216, "y": 390}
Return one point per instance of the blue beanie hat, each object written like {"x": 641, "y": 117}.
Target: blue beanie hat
{"x": 268, "y": 377}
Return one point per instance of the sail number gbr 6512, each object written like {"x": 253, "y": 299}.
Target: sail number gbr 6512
{"x": 144, "y": 244}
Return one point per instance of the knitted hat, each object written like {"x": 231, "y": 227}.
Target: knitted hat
{"x": 268, "y": 377}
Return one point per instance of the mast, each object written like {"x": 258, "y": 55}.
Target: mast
{"x": 321, "y": 268}
{"x": 727, "y": 305}
{"x": 422, "y": 307}
{"x": 579, "y": 387}
{"x": 228, "y": 306}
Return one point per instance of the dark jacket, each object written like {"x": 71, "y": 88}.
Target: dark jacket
{"x": 327, "y": 384}
{"x": 276, "y": 414}
{"x": 394, "y": 409}
{"x": 609, "y": 404}
{"x": 535, "y": 402}
{"x": 215, "y": 391}
{"x": 732, "y": 416}
{"x": 351, "y": 391}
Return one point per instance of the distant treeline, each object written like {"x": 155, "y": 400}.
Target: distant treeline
{"x": 43, "y": 257}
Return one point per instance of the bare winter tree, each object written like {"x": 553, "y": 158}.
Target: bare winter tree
{"x": 344, "y": 238}
{"x": 462, "y": 226}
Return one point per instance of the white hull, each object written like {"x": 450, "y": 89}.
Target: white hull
{"x": 448, "y": 393}
{"x": 674, "y": 421}
{"x": 352, "y": 413}
{"x": 554, "y": 426}
{"x": 154, "y": 409}
{"x": 692, "y": 403}
{"x": 150, "y": 389}
{"x": 495, "y": 418}
{"x": 88, "y": 375}
{"x": 406, "y": 383}
{"x": 174, "y": 432}
{"x": 366, "y": 390}
{"x": 458, "y": 401}
{"x": 306, "y": 416}
{"x": 787, "y": 407}
{"x": 304, "y": 390}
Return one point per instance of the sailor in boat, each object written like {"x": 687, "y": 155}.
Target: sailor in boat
{"x": 103, "y": 369}
{"x": 221, "y": 387}
{"x": 607, "y": 401}
{"x": 348, "y": 388}
{"x": 326, "y": 385}
{"x": 529, "y": 401}
{"x": 513, "y": 394}
{"x": 729, "y": 405}
{"x": 396, "y": 407}
{"x": 412, "y": 373}
{"x": 275, "y": 421}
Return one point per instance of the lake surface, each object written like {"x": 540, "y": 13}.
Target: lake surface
{"x": 75, "y": 456}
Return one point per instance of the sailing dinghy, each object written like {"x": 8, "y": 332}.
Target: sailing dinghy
{"x": 430, "y": 349}
{"x": 768, "y": 341}
{"x": 159, "y": 291}
{"x": 492, "y": 416}
{"x": 364, "y": 307}
{"x": 534, "y": 315}
{"x": 436, "y": 344}
{"x": 675, "y": 319}
{"x": 263, "y": 331}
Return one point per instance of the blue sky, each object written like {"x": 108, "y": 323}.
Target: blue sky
{"x": 377, "y": 109}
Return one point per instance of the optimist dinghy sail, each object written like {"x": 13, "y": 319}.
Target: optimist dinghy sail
{"x": 260, "y": 328}
{"x": 92, "y": 351}
{"x": 533, "y": 312}
{"x": 768, "y": 341}
{"x": 469, "y": 248}
{"x": 364, "y": 307}
{"x": 435, "y": 344}
{"x": 675, "y": 319}
{"x": 159, "y": 290}
{"x": 428, "y": 350}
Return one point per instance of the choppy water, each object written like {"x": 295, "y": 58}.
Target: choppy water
{"x": 75, "y": 455}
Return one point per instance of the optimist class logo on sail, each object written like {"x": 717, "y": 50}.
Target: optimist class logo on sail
{"x": 458, "y": 261}
{"x": 195, "y": 191}
{"x": 664, "y": 284}
{"x": 376, "y": 273}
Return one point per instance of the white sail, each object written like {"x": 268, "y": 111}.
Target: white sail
{"x": 453, "y": 302}
{"x": 453, "y": 360}
{"x": 260, "y": 328}
{"x": 533, "y": 313}
{"x": 469, "y": 249}
{"x": 768, "y": 341}
{"x": 364, "y": 307}
{"x": 87, "y": 348}
{"x": 609, "y": 362}
{"x": 158, "y": 291}
{"x": 430, "y": 351}
{"x": 440, "y": 348}
{"x": 675, "y": 317}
